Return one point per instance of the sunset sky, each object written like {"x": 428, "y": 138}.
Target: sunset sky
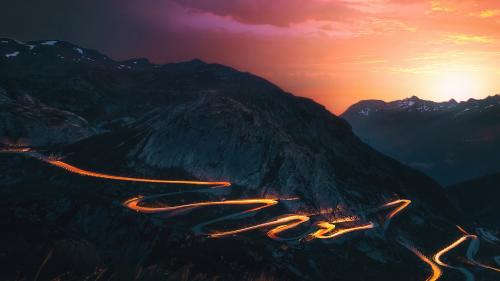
{"x": 336, "y": 52}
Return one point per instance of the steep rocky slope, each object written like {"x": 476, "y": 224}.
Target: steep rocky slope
{"x": 26, "y": 121}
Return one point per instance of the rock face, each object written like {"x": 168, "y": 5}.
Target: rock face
{"x": 207, "y": 122}
{"x": 449, "y": 141}
{"x": 287, "y": 146}
{"x": 28, "y": 122}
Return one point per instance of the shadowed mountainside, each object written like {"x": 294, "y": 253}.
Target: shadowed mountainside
{"x": 480, "y": 197}
{"x": 448, "y": 141}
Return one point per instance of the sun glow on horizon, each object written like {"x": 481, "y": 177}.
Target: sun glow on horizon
{"x": 334, "y": 52}
{"x": 340, "y": 52}
{"x": 457, "y": 83}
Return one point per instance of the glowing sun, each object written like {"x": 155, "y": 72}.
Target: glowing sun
{"x": 457, "y": 84}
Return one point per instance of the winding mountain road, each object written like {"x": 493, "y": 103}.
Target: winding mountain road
{"x": 436, "y": 270}
{"x": 279, "y": 225}
{"x": 438, "y": 257}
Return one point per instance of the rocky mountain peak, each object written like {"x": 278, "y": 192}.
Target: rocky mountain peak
{"x": 467, "y": 131}
{"x": 416, "y": 105}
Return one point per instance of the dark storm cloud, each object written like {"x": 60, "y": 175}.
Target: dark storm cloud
{"x": 126, "y": 28}
{"x": 277, "y": 12}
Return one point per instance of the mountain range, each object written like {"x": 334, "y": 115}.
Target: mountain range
{"x": 67, "y": 105}
{"x": 449, "y": 141}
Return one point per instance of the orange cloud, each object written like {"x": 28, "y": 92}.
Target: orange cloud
{"x": 322, "y": 49}
{"x": 489, "y": 13}
{"x": 464, "y": 38}
{"x": 439, "y": 6}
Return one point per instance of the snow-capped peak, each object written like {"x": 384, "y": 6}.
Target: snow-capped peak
{"x": 50, "y": 43}
{"x": 11, "y": 55}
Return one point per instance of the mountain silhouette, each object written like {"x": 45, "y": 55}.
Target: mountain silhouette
{"x": 448, "y": 141}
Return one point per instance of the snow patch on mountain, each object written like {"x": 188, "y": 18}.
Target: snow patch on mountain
{"x": 415, "y": 104}
{"x": 11, "y": 55}
{"x": 365, "y": 111}
{"x": 50, "y": 43}
{"x": 406, "y": 103}
{"x": 79, "y": 50}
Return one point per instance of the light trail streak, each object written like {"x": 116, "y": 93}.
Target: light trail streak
{"x": 439, "y": 255}
{"x": 487, "y": 266}
{"x": 326, "y": 227}
{"x": 472, "y": 250}
{"x": 284, "y": 223}
{"x": 403, "y": 202}
{"x": 436, "y": 271}
{"x": 289, "y": 224}
{"x": 462, "y": 230}
{"x": 76, "y": 170}
{"x": 401, "y": 205}
{"x": 133, "y": 204}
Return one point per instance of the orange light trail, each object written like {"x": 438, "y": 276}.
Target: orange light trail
{"x": 462, "y": 230}
{"x": 133, "y": 204}
{"x": 282, "y": 224}
{"x": 327, "y": 227}
{"x": 288, "y": 220}
{"x": 487, "y": 266}
{"x": 285, "y": 223}
{"x": 436, "y": 271}
{"x": 438, "y": 256}
{"x": 470, "y": 254}
{"x": 403, "y": 202}
{"x": 76, "y": 170}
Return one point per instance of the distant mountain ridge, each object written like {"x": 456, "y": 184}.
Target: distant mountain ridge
{"x": 450, "y": 141}
{"x": 61, "y": 52}
{"x": 415, "y": 104}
